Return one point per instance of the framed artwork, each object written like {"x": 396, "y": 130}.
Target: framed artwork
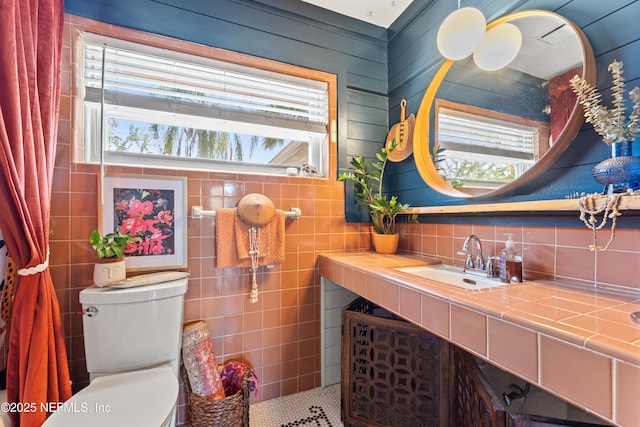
{"x": 152, "y": 208}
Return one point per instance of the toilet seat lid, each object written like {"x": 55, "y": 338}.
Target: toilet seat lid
{"x": 140, "y": 398}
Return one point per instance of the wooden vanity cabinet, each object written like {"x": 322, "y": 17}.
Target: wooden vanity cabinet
{"x": 474, "y": 402}
{"x": 395, "y": 373}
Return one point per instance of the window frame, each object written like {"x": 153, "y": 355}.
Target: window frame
{"x": 540, "y": 130}
{"x": 203, "y": 53}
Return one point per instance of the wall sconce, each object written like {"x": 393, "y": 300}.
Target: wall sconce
{"x": 499, "y": 47}
{"x": 461, "y": 33}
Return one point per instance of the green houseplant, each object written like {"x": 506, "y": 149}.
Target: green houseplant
{"x": 110, "y": 245}
{"x": 368, "y": 178}
{"x": 110, "y": 250}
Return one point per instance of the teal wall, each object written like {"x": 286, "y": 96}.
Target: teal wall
{"x": 288, "y": 31}
{"x": 612, "y": 29}
{"x": 376, "y": 68}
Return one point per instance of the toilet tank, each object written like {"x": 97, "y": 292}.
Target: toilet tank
{"x": 133, "y": 328}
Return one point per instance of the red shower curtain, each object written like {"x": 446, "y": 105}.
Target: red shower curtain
{"x": 30, "y": 57}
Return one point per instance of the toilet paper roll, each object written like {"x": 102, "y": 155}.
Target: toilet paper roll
{"x": 200, "y": 361}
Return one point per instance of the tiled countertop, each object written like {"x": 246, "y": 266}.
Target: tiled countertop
{"x": 578, "y": 343}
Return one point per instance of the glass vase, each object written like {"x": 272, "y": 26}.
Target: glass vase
{"x": 621, "y": 171}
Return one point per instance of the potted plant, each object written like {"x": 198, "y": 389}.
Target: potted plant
{"x": 368, "y": 192}
{"x": 110, "y": 250}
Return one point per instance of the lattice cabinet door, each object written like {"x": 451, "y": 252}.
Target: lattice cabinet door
{"x": 473, "y": 402}
{"x": 393, "y": 372}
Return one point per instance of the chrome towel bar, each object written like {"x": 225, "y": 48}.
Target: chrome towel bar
{"x": 197, "y": 212}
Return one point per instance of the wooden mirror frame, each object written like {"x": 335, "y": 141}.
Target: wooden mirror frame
{"x": 422, "y": 150}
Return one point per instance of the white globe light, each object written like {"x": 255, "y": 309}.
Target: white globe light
{"x": 461, "y": 33}
{"x": 499, "y": 47}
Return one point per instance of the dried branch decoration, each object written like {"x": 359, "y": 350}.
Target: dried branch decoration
{"x": 610, "y": 124}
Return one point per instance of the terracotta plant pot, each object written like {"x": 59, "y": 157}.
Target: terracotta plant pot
{"x": 386, "y": 243}
{"x": 107, "y": 272}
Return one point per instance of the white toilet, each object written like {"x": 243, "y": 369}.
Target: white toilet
{"x": 133, "y": 339}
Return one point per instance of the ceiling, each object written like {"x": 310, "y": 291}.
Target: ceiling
{"x": 378, "y": 12}
{"x": 384, "y": 12}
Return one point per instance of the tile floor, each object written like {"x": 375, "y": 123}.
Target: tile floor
{"x": 319, "y": 407}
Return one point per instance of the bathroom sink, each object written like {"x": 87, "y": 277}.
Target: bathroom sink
{"x": 453, "y": 276}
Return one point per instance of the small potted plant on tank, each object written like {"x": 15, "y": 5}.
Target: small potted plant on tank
{"x": 110, "y": 250}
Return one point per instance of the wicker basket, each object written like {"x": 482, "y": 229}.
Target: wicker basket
{"x": 232, "y": 411}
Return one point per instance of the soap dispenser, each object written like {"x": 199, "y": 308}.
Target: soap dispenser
{"x": 510, "y": 262}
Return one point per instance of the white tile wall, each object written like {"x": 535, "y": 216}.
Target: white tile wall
{"x": 333, "y": 298}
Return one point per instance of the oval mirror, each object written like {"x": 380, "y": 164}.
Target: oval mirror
{"x": 483, "y": 133}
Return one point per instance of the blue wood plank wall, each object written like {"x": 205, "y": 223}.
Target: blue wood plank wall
{"x": 376, "y": 68}
{"x": 289, "y": 31}
{"x": 613, "y": 31}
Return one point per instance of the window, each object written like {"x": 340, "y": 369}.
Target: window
{"x": 145, "y": 105}
{"x": 482, "y": 149}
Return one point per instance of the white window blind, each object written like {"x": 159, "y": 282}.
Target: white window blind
{"x": 480, "y": 151}
{"x": 485, "y": 135}
{"x": 144, "y": 84}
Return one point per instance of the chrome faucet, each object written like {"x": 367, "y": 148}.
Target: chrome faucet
{"x": 474, "y": 260}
